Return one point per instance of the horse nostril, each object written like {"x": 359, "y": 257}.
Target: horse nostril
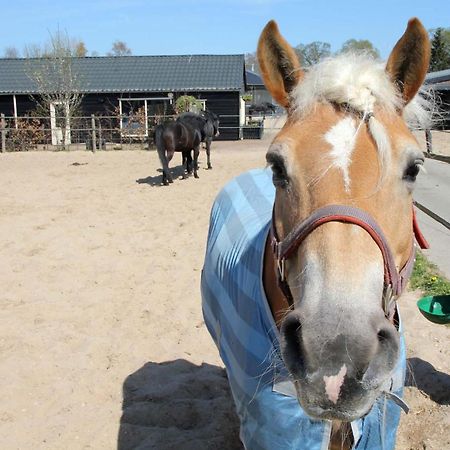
{"x": 382, "y": 335}
{"x": 385, "y": 336}
{"x": 385, "y": 357}
{"x": 291, "y": 329}
{"x": 388, "y": 340}
{"x": 291, "y": 333}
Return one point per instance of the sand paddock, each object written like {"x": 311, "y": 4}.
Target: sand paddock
{"x": 102, "y": 342}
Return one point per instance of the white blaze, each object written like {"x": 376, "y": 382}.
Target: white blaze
{"x": 342, "y": 137}
{"x": 333, "y": 384}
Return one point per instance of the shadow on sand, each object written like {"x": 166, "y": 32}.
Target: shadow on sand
{"x": 178, "y": 405}
{"x": 424, "y": 376}
{"x": 177, "y": 172}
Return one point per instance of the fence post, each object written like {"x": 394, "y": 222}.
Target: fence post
{"x": 428, "y": 141}
{"x": 100, "y": 147}
{"x": 94, "y": 144}
{"x": 3, "y": 126}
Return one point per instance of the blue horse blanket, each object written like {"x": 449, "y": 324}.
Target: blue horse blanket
{"x": 239, "y": 319}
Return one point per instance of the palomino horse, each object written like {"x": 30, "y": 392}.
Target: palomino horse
{"x": 305, "y": 260}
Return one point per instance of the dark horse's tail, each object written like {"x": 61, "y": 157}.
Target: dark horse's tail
{"x": 161, "y": 148}
{"x": 158, "y": 139}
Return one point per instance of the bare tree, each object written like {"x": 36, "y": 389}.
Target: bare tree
{"x": 313, "y": 52}
{"x": 80, "y": 49}
{"x": 11, "y": 52}
{"x": 119, "y": 48}
{"x": 360, "y": 45}
{"x": 58, "y": 84}
{"x": 36, "y": 51}
{"x": 251, "y": 62}
{"x": 73, "y": 46}
{"x": 308, "y": 54}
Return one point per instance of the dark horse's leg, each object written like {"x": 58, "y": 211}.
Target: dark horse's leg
{"x": 165, "y": 159}
{"x": 208, "y": 153}
{"x": 169, "y": 155}
{"x": 187, "y": 162}
{"x": 164, "y": 156}
{"x": 196, "y": 153}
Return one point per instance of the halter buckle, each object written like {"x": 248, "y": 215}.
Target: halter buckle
{"x": 389, "y": 300}
{"x": 281, "y": 269}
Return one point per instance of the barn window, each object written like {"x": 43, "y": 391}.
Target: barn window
{"x": 137, "y": 115}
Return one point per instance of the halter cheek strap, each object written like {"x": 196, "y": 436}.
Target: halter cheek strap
{"x": 394, "y": 281}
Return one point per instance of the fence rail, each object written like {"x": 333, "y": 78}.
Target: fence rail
{"x": 78, "y": 133}
{"x": 97, "y": 132}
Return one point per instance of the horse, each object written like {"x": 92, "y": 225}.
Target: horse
{"x": 264, "y": 107}
{"x": 306, "y": 258}
{"x": 177, "y": 136}
{"x": 208, "y": 124}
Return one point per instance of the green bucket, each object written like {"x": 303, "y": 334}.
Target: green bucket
{"x": 436, "y": 308}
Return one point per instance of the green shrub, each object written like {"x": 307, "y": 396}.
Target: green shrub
{"x": 187, "y": 103}
{"x": 427, "y": 278}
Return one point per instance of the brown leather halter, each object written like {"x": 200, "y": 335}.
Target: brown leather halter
{"x": 394, "y": 281}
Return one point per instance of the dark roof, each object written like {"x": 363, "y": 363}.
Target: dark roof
{"x": 254, "y": 79}
{"x": 439, "y": 80}
{"x": 135, "y": 73}
{"x": 437, "y": 77}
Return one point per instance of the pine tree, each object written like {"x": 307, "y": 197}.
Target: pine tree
{"x": 440, "y": 51}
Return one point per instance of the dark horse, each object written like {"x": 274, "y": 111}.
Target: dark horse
{"x": 264, "y": 108}
{"x": 208, "y": 124}
{"x": 177, "y": 136}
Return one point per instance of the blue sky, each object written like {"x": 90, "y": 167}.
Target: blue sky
{"x": 156, "y": 27}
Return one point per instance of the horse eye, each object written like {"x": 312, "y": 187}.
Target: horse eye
{"x": 279, "y": 174}
{"x": 412, "y": 170}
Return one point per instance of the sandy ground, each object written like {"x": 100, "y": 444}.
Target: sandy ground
{"x": 102, "y": 342}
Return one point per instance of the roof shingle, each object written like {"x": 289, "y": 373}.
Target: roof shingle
{"x": 135, "y": 73}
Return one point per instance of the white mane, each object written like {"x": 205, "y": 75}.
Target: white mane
{"x": 361, "y": 82}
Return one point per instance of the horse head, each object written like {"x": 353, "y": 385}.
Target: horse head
{"x": 213, "y": 119}
{"x": 346, "y": 142}
{"x": 269, "y": 106}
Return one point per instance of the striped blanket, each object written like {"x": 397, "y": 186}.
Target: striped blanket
{"x": 239, "y": 320}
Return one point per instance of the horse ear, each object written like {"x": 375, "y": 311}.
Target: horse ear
{"x": 409, "y": 60}
{"x": 279, "y": 64}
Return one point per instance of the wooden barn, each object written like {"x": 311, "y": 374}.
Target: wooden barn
{"x": 127, "y": 83}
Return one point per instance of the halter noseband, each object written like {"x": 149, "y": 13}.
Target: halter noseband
{"x": 394, "y": 281}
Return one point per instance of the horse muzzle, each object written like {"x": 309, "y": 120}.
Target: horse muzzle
{"x": 334, "y": 401}
{"x": 339, "y": 375}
